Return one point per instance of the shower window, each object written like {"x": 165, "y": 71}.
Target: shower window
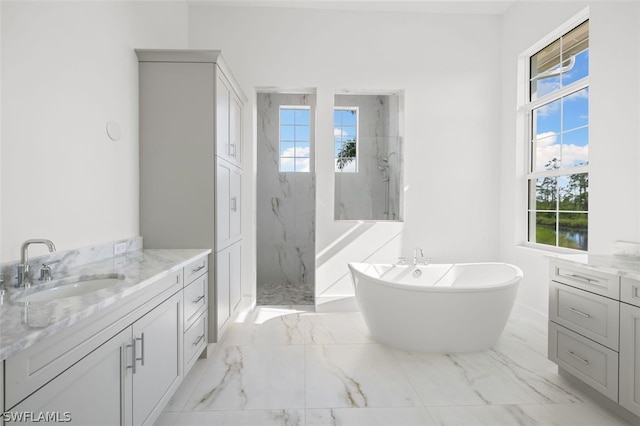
{"x": 295, "y": 139}
{"x": 558, "y": 122}
{"x": 345, "y": 137}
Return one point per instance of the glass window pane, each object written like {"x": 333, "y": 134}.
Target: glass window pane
{"x": 575, "y": 110}
{"x": 302, "y": 164}
{"x": 349, "y": 118}
{"x": 302, "y": 133}
{"x": 575, "y": 54}
{"x": 573, "y": 191}
{"x": 577, "y": 67}
{"x": 546, "y": 193}
{"x": 302, "y": 116}
{"x": 286, "y": 149}
{"x": 572, "y": 230}
{"x": 575, "y": 148}
{"x": 286, "y": 165}
{"x": 302, "y": 150}
{"x": 545, "y": 226}
{"x": 544, "y": 68}
{"x": 548, "y": 152}
{"x": 287, "y": 116}
{"x": 287, "y": 133}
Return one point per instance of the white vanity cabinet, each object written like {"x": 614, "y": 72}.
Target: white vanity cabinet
{"x": 630, "y": 345}
{"x": 594, "y": 330}
{"x": 191, "y": 162}
{"x": 126, "y": 380}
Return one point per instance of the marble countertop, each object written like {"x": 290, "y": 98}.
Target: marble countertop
{"x": 613, "y": 264}
{"x": 22, "y": 325}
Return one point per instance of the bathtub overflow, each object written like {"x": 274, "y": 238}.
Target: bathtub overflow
{"x": 417, "y": 272}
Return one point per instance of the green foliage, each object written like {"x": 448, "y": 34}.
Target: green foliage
{"x": 347, "y": 153}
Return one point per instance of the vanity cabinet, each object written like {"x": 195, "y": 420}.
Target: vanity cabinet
{"x": 191, "y": 162}
{"x": 594, "y": 330}
{"x": 630, "y": 345}
{"x": 126, "y": 380}
{"x": 123, "y": 364}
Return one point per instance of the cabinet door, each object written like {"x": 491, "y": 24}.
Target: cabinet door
{"x": 228, "y": 204}
{"x": 235, "y": 208}
{"x": 235, "y": 130}
{"x": 91, "y": 392}
{"x": 630, "y": 358}
{"x": 223, "y": 278}
{"x": 235, "y": 282}
{"x": 157, "y": 337}
{"x": 223, "y": 146}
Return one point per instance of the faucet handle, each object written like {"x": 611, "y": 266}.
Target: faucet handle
{"x": 402, "y": 260}
{"x": 45, "y": 270}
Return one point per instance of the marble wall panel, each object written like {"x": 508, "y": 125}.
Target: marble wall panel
{"x": 285, "y": 201}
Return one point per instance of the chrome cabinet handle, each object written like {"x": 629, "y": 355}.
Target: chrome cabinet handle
{"x": 141, "y": 359}
{"x": 133, "y": 365}
{"x": 582, "y": 278}
{"x": 198, "y": 299}
{"x": 198, "y": 340}
{"x": 577, "y": 312}
{"x": 232, "y": 149}
{"x": 582, "y": 360}
{"x": 193, "y": 271}
{"x": 234, "y": 204}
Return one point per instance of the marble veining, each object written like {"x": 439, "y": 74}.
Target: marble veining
{"x": 304, "y": 368}
{"x": 24, "y": 324}
{"x": 625, "y": 260}
{"x": 286, "y": 212}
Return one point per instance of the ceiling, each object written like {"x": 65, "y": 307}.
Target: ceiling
{"x": 424, "y": 6}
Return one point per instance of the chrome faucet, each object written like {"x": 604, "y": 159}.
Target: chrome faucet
{"x": 23, "y": 267}
{"x": 417, "y": 258}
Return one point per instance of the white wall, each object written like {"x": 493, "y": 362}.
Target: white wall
{"x": 614, "y": 152}
{"x": 449, "y": 68}
{"x": 67, "y": 69}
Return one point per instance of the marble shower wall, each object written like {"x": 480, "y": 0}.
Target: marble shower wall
{"x": 372, "y": 193}
{"x": 285, "y": 203}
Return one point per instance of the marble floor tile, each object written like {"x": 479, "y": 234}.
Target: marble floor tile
{"x": 406, "y": 416}
{"x": 287, "y": 365}
{"x": 251, "y": 377}
{"x": 363, "y": 375}
{"x": 242, "y": 418}
{"x": 461, "y": 379}
{"x": 267, "y": 326}
{"x": 336, "y": 328}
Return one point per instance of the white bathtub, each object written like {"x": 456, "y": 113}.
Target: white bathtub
{"x": 448, "y": 308}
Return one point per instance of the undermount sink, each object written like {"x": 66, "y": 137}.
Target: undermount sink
{"x": 77, "y": 287}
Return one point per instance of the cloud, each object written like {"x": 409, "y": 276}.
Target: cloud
{"x": 339, "y": 132}
{"x": 548, "y": 148}
{"x": 287, "y": 161}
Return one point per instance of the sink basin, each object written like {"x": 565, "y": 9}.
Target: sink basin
{"x": 77, "y": 287}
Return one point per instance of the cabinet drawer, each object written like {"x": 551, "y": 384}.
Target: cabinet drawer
{"x": 591, "y": 315}
{"x": 630, "y": 291}
{"x": 195, "y": 340}
{"x": 586, "y": 278}
{"x": 195, "y": 269}
{"x": 589, "y": 361}
{"x": 195, "y": 299}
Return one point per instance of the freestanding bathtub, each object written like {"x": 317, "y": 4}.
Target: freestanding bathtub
{"x": 438, "y": 307}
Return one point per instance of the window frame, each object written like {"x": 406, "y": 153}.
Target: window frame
{"x": 528, "y": 138}
{"x": 294, "y": 141}
{"x": 357, "y": 139}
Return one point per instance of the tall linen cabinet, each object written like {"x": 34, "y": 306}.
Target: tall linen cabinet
{"x": 191, "y": 166}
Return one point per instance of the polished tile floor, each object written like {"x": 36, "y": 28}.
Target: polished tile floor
{"x": 288, "y": 366}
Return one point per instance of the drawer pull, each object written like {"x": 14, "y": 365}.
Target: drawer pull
{"x": 582, "y": 278}
{"x": 577, "y": 312}
{"x": 636, "y": 294}
{"x": 198, "y": 299}
{"x": 198, "y": 340}
{"x": 141, "y": 359}
{"x": 193, "y": 271}
{"x": 132, "y": 366}
{"x": 582, "y": 360}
